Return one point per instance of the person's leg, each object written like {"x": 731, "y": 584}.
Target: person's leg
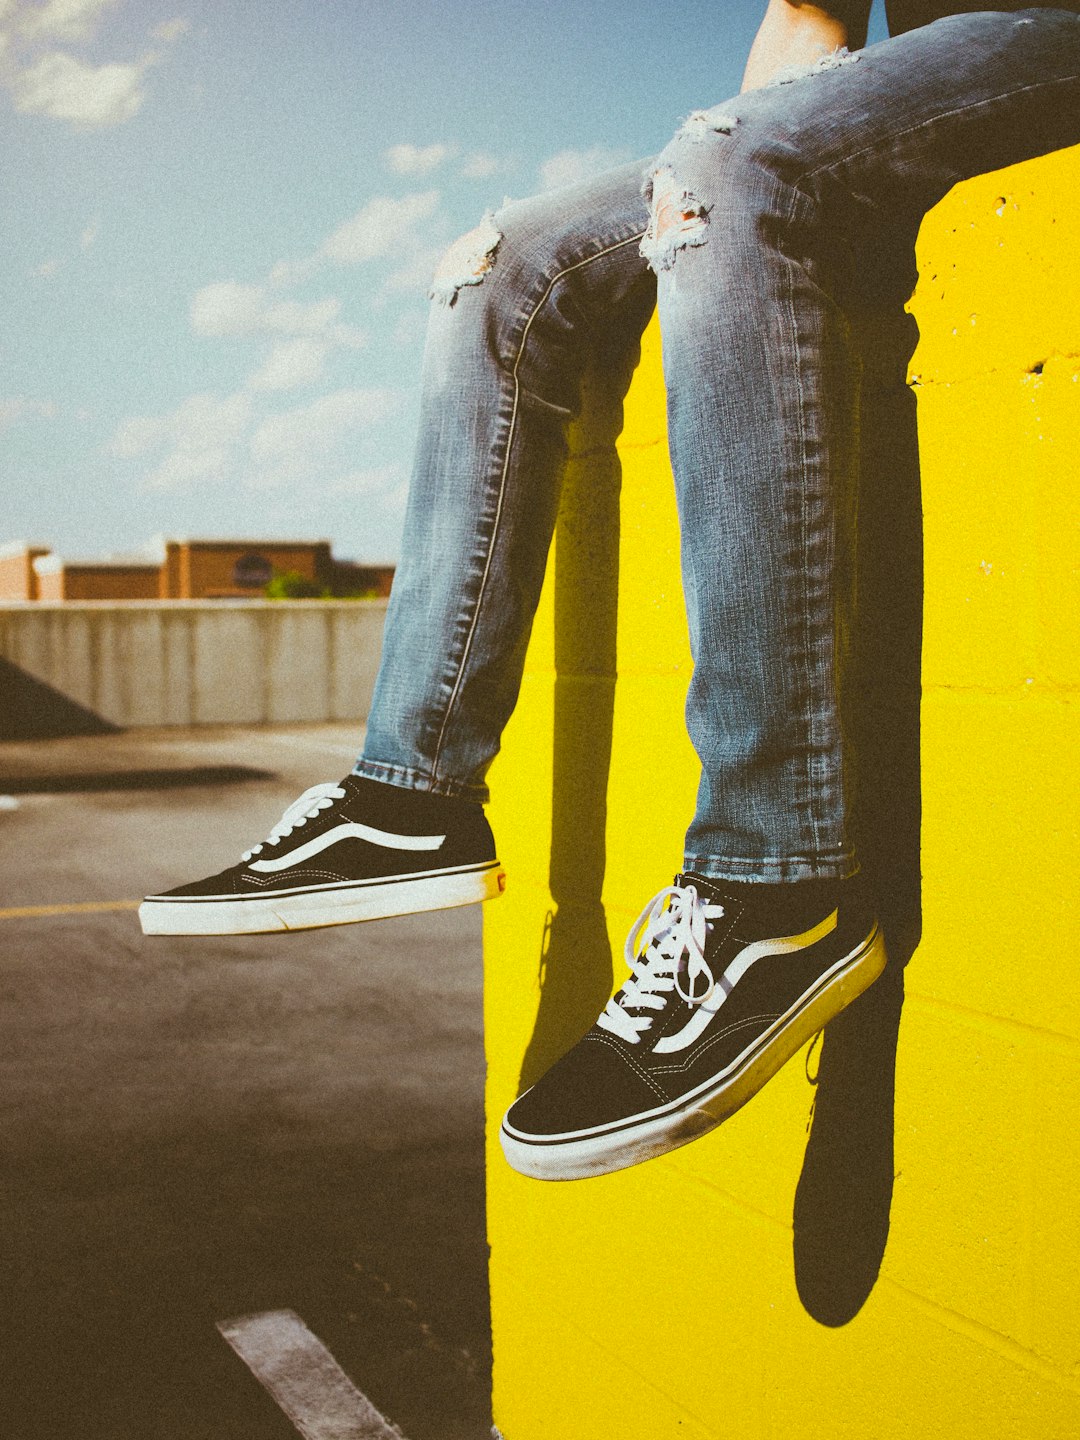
{"x": 505, "y": 356}
{"x": 518, "y": 308}
{"x": 804, "y": 202}
{"x": 778, "y": 223}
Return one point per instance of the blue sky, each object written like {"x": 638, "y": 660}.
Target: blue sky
{"x": 220, "y": 218}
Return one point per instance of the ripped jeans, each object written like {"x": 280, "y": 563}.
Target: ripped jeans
{"x": 780, "y": 222}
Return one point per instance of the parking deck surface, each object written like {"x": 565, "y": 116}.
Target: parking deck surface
{"x": 198, "y": 1129}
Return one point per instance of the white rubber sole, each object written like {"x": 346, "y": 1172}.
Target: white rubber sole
{"x": 600, "y": 1151}
{"x": 310, "y": 909}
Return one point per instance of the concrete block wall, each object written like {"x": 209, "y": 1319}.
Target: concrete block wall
{"x": 192, "y": 663}
{"x": 886, "y": 1241}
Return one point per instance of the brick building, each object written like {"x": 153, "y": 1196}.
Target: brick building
{"x": 349, "y": 578}
{"x": 239, "y": 569}
{"x": 59, "y": 579}
{"x": 18, "y": 580}
{"x": 189, "y": 570}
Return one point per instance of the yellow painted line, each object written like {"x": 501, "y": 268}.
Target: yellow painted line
{"x": 88, "y": 907}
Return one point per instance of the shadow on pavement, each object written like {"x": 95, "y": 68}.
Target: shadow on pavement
{"x": 195, "y": 1129}
{"x": 32, "y": 710}
{"x": 71, "y": 782}
{"x": 124, "y": 1260}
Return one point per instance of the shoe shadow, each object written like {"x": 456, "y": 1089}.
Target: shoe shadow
{"x": 844, "y": 1194}
{"x": 576, "y": 972}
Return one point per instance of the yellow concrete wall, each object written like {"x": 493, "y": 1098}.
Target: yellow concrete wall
{"x": 679, "y": 1298}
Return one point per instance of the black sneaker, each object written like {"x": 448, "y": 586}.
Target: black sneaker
{"x": 360, "y": 850}
{"x": 722, "y": 994}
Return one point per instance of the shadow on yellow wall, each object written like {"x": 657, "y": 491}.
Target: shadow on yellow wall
{"x": 576, "y": 971}
{"x": 842, "y": 1203}
{"x": 658, "y": 1301}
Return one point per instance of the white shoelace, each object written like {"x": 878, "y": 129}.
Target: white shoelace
{"x": 666, "y": 942}
{"x": 303, "y": 809}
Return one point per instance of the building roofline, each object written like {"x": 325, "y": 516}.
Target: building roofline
{"x": 246, "y": 543}
{"x": 11, "y": 549}
{"x": 53, "y": 564}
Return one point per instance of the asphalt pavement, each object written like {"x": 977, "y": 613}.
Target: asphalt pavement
{"x": 195, "y": 1129}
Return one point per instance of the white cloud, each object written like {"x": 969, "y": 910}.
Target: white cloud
{"x": 293, "y": 317}
{"x": 12, "y": 410}
{"x": 379, "y": 481}
{"x": 46, "y": 269}
{"x": 47, "y": 81}
{"x": 221, "y": 440}
{"x": 349, "y": 337}
{"x": 409, "y": 329}
{"x": 318, "y": 427}
{"x": 384, "y": 492}
{"x": 290, "y": 364}
{"x": 89, "y": 96}
{"x": 394, "y": 501}
{"x": 480, "y": 166}
{"x": 380, "y": 228}
{"x": 137, "y": 435}
{"x": 200, "y": 438}
{"x": 570, "y": 167}
{"x": 416, "y": 159}
{"x": 171, "y": 30}
{"x": 181, "y": 469}
{"x": 292, "y": 272}
{"x": 416, "y": 271}
{"x": 206, "y": 421}
{"x": 18, "y": 407}
{"x": 229, "y": 308}
{"x": 396, "y": 226}
{"x": 64, "y": 19}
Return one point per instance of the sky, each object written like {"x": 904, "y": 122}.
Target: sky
{"x": 219, "y": 225}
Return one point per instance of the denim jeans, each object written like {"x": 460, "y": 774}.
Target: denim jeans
{"x": 773, "y": 226}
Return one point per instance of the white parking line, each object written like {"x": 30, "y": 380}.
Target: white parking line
{"x": 304, "y": 1378}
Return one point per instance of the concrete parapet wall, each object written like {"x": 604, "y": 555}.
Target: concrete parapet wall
{"x": 884, "y": 1243}
{"x": 192, "y": 663}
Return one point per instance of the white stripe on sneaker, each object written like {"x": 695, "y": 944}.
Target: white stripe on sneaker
{"x": 747, "y": 956}
{"x": 350, "y": 830}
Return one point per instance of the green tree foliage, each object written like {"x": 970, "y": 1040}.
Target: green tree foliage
{"x": 291, "y": 585}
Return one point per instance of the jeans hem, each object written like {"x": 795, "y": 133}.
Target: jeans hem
{"x": 408, "y": 779}
{"x": 774, "y": 870}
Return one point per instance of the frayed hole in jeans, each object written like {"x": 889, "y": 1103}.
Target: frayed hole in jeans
{"x": 467, "y": 261}
{"x": 677, "y": 219}
{"x": 701, "y": 123}
{"x": 833, "y": 60}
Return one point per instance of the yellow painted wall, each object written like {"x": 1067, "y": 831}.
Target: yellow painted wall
{"x": 732, "y": 1288}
